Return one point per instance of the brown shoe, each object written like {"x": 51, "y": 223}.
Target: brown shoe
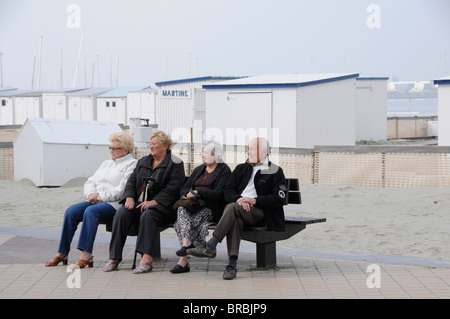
{"x": 81, "y": 263}
{"x": 56, "y": 260}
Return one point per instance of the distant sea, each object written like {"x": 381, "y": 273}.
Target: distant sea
{"x": 412, "y": 107}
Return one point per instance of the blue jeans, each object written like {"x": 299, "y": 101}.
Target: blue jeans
{"x": 91, "y": 215}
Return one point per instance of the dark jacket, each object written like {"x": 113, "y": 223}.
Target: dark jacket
{"x": 214, "y": 196}
{"x": 270, "y": 185}
{"x": 166, "y": 180}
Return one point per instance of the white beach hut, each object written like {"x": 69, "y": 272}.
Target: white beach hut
{"x": 371, "y": 108}
{"x": 27, "y": 105}
{"x": 291, "y": 110}
{"x": 82, "y": 105}
{"x": 7, "y": 106}
{"x": 54, "y": 104}
{"x": 51, "y": 152}
{"x": 180, "y": 103}
{"x": 141, "y": 104}
{"x": 112, "y": 105}
{"x": 443, "y": 111}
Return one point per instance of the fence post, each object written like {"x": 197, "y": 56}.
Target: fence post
{"x": 315, "y": 167}
{"x": 383, "y": 170}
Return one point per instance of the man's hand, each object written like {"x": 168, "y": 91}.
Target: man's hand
{"x": 246, "y": 203}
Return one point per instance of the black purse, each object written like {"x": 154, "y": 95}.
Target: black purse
{"x": 190, "y": 203}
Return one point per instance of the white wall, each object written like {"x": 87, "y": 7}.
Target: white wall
{"x": 326, "y": 114}
{"x": 82, "y": 107}
{"x": 444, "y": 115}
{"x": 142, "y": 105}
{"x": 117, "y": 113}
{"x": 199, "y": 115}
{"x": 234, "y": 117}
{"x": 176, "y": 113}
{"x": 27, "y": 107}
{"x": 321, "y": 114}
{"x": 6, "y": 111}
{"x": 284, "y": 117}
{"x": 371, "y": 110}
{"x": 28, "y": 156}
{"x": 54, "y": 106}
{"x": 64, "y": 162}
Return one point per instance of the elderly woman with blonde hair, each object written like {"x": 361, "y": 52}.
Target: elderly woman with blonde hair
{"x": 103, "y": 191}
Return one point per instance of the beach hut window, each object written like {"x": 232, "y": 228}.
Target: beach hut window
{"x": 3, "y": 102}
{"x": 107, "y": 104}
{"x": 113, "y": 104}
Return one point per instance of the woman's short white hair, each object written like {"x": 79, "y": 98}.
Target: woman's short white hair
{"x": 215, "y": 148}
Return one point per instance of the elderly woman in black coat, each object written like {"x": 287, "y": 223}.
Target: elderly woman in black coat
{"x": 205, "y": 187}
{"x": 149, "y": 195}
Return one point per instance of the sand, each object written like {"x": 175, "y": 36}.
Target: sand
{"x": 401, "y": 222}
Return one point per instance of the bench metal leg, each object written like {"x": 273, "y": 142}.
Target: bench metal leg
{"x": 157, "y": 246}
{"x": 134, "y": 260}
{"x": 266, "y": 255}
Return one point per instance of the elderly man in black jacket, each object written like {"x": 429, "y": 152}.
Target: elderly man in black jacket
{"x": 256, "y": 192}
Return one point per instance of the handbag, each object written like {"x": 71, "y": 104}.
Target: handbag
{"x": 190, "y": 203}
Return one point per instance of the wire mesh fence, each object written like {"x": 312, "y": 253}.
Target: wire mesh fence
{"x": 369, "y": 166}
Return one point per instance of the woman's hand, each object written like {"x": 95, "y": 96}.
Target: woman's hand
{"x": 129, "y": 203}
{"x": 191, "y": 194}
{"x": 94, "y": 199}
{"x": 145, "y": 205}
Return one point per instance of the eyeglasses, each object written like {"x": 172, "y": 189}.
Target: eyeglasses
{"x": 115, "y": 148}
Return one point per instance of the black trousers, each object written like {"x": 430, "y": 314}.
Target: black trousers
{"x": 148, "y": 221}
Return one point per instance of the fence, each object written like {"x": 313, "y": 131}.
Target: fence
{"x": 370, "y": 166}
{"x": 382, "y": 166}
{"x": 6, "y": 161}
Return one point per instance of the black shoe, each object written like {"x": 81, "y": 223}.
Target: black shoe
{"x": 182, "y": 251}
{"x": 202, "y": 252}
{"x": 229, "y": 273}
{"x": 178, "y": 269}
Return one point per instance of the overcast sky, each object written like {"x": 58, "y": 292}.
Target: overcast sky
{"x": 153, "y": 40}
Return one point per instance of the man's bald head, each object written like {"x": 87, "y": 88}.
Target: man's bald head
{"x": 258, "y": 148}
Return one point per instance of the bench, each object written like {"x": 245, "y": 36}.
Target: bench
{"x": 265, "y": 240}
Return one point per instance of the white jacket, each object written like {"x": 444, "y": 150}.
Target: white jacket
{"x": 110, "y": 179}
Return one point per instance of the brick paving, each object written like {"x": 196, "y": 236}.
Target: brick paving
{"x": 23, "y": 275}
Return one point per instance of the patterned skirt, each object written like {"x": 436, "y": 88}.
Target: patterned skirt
{"x": 193, "y": 226}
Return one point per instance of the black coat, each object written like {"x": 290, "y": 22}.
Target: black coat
{"x": 167, "y": 179}
{"x": 214, "y": 196}
{"x": 270, "y": 185}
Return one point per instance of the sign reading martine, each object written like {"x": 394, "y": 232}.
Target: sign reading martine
{"x": 176, "y": 94}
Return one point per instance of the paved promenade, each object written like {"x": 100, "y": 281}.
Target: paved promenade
{"x": 23, "y": 275}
